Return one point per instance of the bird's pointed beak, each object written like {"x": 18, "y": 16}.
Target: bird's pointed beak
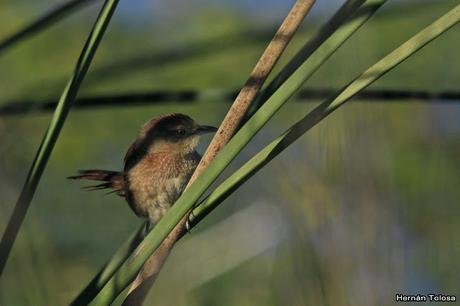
{"x": 204, "y": 129}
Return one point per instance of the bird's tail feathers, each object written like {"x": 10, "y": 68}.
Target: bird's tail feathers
{"x": 111, "y": 179}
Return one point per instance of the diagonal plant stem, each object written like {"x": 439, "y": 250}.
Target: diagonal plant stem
{"x": 250, "y": 90}
{"x": 372, "y": 74}
{"x": 336, "y": 21}
{"x": 52, "y": 133}
{"x": 147, "y": 276}
{"x": 153, "y": 240}
{"x": 43, "y": 22}
{"x": 322, "y": 54}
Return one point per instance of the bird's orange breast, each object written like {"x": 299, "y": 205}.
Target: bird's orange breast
{"x": 157, "y": 180}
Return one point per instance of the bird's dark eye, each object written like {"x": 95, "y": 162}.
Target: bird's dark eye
{"x": 180, "y": 131}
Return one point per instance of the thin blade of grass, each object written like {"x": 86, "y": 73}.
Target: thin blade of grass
{"x": 43, "y": 22}
{"x": 386, "y": 64}
{"x": 52, "y": 133}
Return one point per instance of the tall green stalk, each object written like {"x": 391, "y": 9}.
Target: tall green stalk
{"x": 54, "y": 129}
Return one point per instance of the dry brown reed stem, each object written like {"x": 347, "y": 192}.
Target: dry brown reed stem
{"x": 149, "y": 272}
{"x": 255, "y": 81}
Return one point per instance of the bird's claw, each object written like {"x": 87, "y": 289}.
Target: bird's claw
{"x": 188, "y": 226}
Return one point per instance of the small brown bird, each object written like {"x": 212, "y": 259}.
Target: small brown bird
{"x": 157, "y": 167}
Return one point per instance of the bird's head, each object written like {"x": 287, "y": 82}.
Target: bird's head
{"x": 175, "y": 133}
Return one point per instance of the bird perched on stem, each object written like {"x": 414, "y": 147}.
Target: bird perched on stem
{"x": 157, "y": 167}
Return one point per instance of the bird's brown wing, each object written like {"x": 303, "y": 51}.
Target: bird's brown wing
{"x": 131, "y": 150}
{"x": 133, "y": 155}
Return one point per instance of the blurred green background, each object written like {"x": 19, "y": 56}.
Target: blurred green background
{"x": 365, "y": 206}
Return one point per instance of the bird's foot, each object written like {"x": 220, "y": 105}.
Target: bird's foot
{"x": 148, "y": 226}
{"x": 188, "y": 226}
